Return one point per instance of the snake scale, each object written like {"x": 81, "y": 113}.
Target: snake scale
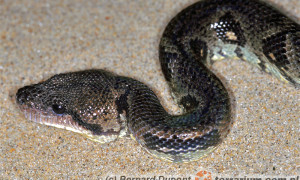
{"x": 104, "y": 106}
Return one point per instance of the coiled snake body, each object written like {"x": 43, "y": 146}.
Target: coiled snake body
{"x": 104, "y": 106}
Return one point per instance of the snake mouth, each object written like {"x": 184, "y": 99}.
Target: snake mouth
{"x": 67, "y": 122}
{"x": 51, "y": 119}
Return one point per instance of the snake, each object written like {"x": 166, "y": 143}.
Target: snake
{"x": 104, "y": 106}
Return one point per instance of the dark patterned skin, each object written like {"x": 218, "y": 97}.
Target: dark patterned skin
{"x": 104, "y": 106}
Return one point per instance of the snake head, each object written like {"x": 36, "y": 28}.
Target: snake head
{"x": 80, "y": 101}
{"x": 46, "y": 99}
{"x": 38, "y": 97}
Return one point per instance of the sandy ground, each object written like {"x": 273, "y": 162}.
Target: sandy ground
{"x": 42, "y": 38}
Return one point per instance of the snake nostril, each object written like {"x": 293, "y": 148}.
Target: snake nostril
{"x": 23, "y": 95}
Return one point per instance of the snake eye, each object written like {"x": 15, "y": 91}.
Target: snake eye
{"x": 58, "y": 109}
